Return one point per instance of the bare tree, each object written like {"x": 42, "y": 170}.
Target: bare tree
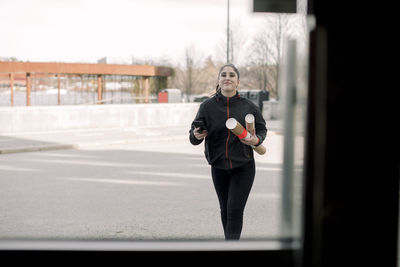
{"x": 237, "y": 40}
{"x": 187, "y": 76}
{"x": 209, "y": 76}
{"x": 266, "y": 52}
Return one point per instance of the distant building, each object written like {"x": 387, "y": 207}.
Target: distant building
{"x": 85, "y": 83}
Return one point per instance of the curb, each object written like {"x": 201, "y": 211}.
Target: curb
{"x": 61, "y": 146}
{"x": 36, "y": 148}
{"x": 81, "y": 145}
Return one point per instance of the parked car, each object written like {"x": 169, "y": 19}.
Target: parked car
{"x": 201, "y": 98}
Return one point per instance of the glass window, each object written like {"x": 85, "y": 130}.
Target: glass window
{"x": 132, "y": 174}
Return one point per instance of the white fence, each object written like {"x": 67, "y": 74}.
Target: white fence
{"x": 59, "y": 118}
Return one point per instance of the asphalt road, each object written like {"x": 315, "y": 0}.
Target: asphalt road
{"x": 147, "y": 191}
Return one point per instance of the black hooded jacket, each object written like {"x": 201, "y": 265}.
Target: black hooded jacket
{"x": 222, "y": 148}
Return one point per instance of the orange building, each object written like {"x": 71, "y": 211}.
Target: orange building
{"x": 31, "y": 75}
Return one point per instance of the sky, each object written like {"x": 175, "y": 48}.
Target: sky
{"x": 87, "y": 30}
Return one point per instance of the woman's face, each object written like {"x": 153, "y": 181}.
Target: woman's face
{"x": 228, "y": 81}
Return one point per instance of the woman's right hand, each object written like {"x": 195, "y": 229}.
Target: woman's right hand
{"x": 199, "y": 135}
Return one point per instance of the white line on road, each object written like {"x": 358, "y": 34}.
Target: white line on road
{"x": 13, "y": 168}
{"x": 87, "y": 162}
{"x": 172, "y": 174}
{"x": 6, "y": 139}
{"x": 89, "y": 134}
{"x": 265, "y": 195}
{"x": 131, "y": 182}
{"x": 268, "y": 169}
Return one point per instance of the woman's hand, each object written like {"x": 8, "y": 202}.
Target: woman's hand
{"x": 199, "y": 135}
{"x": 252, "y": 141}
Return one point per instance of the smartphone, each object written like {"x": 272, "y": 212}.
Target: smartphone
{"x": 199, "y": 124}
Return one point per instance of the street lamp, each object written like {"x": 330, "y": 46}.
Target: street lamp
{"x": 227, "y": 38}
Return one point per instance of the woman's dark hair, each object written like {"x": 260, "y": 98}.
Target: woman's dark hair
{"x": 217, "y": 89}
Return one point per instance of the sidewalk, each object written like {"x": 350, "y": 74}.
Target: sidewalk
{"x": 74, "y": 139}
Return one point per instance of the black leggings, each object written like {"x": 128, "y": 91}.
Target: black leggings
{"x": 233, "y": 188}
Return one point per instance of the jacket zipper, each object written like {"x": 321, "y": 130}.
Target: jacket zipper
{"x": 229, "y": 132}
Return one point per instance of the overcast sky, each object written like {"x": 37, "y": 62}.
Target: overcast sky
{"x": 86, "y": 30}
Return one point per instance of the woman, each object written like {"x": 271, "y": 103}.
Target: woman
{"x": 231, "y": 159}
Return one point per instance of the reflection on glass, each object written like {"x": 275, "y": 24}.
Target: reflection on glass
{"x": 144, "y": 181}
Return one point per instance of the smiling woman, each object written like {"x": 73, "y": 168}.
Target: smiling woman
{"x": 231, "y": 158}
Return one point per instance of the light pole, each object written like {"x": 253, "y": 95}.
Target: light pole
{"x": 227, "y": 38}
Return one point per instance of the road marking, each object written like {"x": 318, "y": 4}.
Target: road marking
{"x": 131, "y": 182}
{"x": 6, "y": 139}
{"x": 268, "y": 169}
{"x": 12, "y": 168}
{"x": 265, "y": 195}
{"x": 88, "y": 134}
{"x": 86, "y": 162}
{"x": 172, "y": 174}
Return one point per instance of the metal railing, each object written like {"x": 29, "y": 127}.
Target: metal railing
{"x": 48, "y": 89}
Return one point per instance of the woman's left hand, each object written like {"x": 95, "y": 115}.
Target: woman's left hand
{"x": 252, "y": 141}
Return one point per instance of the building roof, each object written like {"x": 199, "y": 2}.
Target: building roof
{"x": 83, "y": 68}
